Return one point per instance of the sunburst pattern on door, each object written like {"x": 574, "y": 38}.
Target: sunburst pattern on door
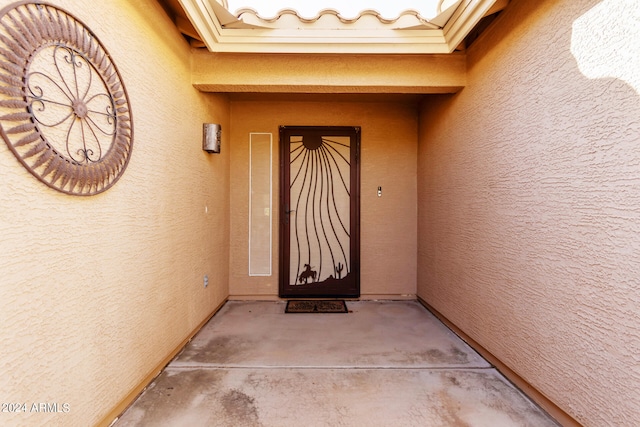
{"x": 320, "y": 202}
{"x": 320, "y": 194}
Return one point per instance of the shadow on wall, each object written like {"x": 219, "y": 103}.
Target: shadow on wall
{"x": 605, "y": 41}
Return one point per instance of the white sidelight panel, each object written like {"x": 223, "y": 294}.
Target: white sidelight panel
{"x": 260, "y": 206}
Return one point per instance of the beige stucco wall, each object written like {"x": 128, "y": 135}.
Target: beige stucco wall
{"x": 529, "y": 202}
{"x": 388, "y": 223}
{"x": 96, "y": 291}
{"x": 328, "y": 73}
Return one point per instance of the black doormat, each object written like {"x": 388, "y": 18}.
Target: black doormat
{"x": 319, "y": 306}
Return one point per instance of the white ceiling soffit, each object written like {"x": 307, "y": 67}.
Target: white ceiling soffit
{"x": 329, "y": 32}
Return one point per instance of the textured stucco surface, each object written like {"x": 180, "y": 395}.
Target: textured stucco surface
{"x": 529, "y": 203}
{"x": 388, "y": 223}
{"x": 96, "y": 291}
{"x": 237, "y": 72}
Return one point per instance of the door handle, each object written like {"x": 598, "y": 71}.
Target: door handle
{"x": 287, "y": 211}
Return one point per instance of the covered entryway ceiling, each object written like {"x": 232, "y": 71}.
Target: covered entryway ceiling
{"x": 327, "y": 54}
{"x": 211, "y": 24}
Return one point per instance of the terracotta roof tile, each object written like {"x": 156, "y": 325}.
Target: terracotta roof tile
{"x": 283, "y": 19}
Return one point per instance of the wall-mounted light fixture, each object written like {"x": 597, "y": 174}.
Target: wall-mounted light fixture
{"x": 211, "y": 136}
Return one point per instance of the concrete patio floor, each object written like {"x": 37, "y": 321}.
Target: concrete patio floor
{"x": 382, "y": 364}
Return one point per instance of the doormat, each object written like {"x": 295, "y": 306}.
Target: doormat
{"x": 320, "y": 306}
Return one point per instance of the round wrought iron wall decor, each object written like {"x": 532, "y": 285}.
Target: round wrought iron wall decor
{"x": 64, "y": 110}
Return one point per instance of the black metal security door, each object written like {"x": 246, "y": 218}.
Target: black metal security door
{"x": 320, "y": 212}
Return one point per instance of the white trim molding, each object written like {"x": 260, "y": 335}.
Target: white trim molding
{"x": 221, "y": 31}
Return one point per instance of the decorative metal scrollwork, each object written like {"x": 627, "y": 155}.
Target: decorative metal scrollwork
{"x": 64, "y": 111}
{"x": 320, "y": 190}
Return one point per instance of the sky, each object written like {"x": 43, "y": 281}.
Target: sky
{"x": 348, "y": 9}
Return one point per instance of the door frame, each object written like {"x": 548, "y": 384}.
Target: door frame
{"x": 285, "y": 290}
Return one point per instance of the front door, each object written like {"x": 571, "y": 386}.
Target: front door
{"x": 320, "y": 211}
